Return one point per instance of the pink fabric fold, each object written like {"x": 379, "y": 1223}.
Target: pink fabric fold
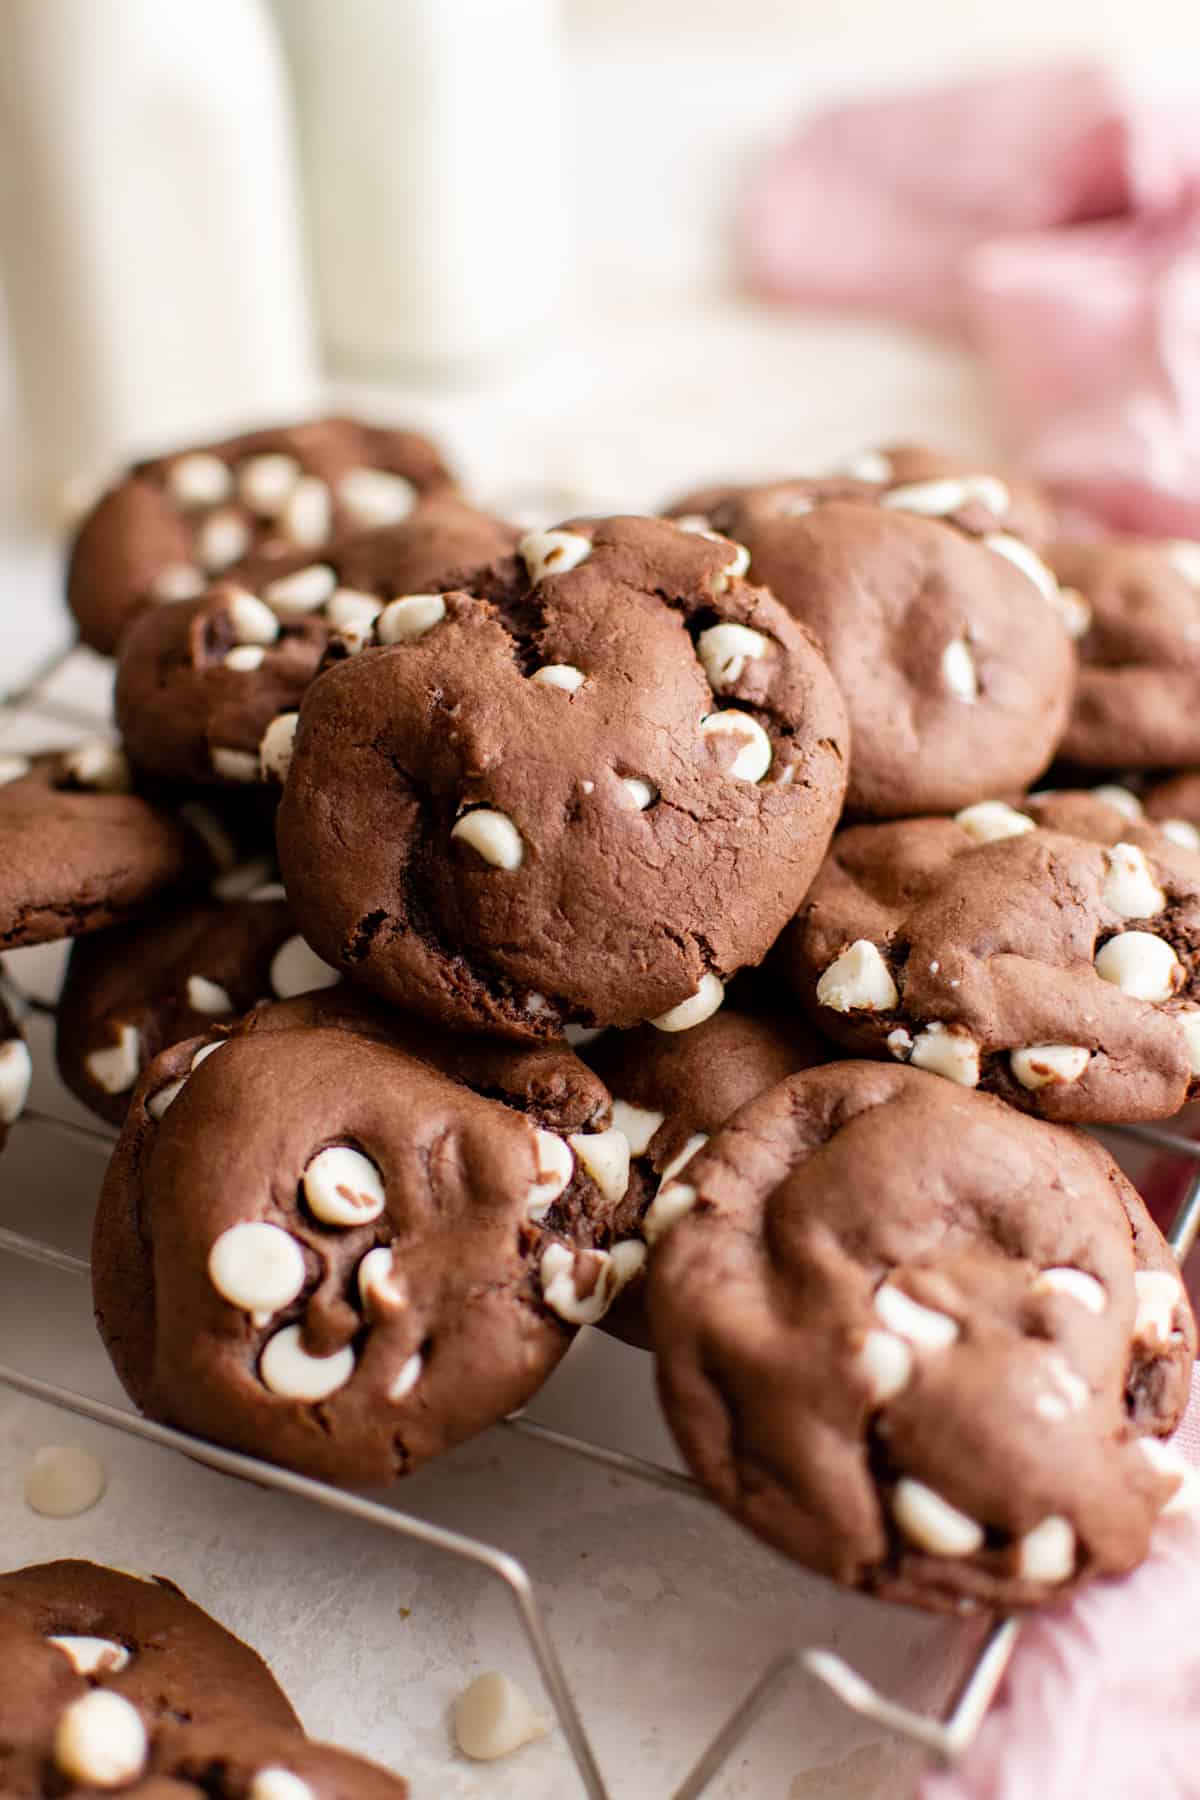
{"x": 1048, "y": 217}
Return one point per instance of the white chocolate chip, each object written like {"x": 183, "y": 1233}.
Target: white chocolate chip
{"x": 1180, "y": 831}
{"x": 381, "y": 1285}
{"x": 1158, "y": 1296}
{"x": 13, "y": 766}
{"x": 223, "y": 540}
{"x": 493, "y": 1718}
{"x": 376, "y": 497}
{"x": 303, "y": 591}
{"x": 353, "y": 613}
{"x": 1076, "y": 1284}
{"x": 1047, "y": 1553}
{"x": 605, "y": 1156}
{"x": 559, "y": 675}
{"x": 288, "y": 1370}
{"x": 858, "y": 981}
{"x": 945, "y": 1051}
{"x": 724, "y": 650}
{"x": 234, "y": 765}
{"x": 866, "y": 465}
{"x": 265, "y": 482}
{"x": 884, "y": 1364}
{"x": 695, "y": 1009}
{"x": 555, "y": 1167}
{"x": 1143, "y": 966}
{"x": 734, "y": 569}
{"x": 253, "y": 623}
{"x": 270, "y": 890}
{"x": 204, "y": 1052}
{"x": 115, "y": 1068}
{"x": 244, "y": 659}
{"x": 97, "y": 764}
{"x": 917, "y": 1324}
{"x": 278, "y": 742}
{"x": 932, "y": 1522}
{"x": 212, "y": 834}
{"x": 698, "y": 524}
{"x": 100, "y": 1741}
{"x": 16, "y": 1073}
{"x": 178, "y": 581}
{"x": 407, "y": 1376}
{"x": 1013, "y": 550}
{"x": 959, "y": 672}
{"x": 900, "y": 1043}
{"x": 1183, "y": 554}
{"x": 1060, "y": 1391}
{"x": 669, "y": 1205}
{"x": 617, "y": 1267}
{"x": 1129, "y": 888}
{"x": 199, "y": 480}
{"x": 1122, "y": 798}
{"x": 343, "y": 1187}
{"x": 683, "y": 1157}
{"x": 1165, "y": 1459}
{"x": 492, "y": 835}
{"x": 637, "y": 1124}
{"x": 158, "y": 1103}
{"x": 553, "y": 552}
{"x": 257, "y": 1267}
{"x": 990, "y": 820}
{"x": 295, "y": 969}
{"x": 63, "y": 1481}
{"x": 278, "y": 1784}
{"x": 1189, "y": 1025}
{"x": 1049, "y": 1065}
{"x": 405, "y": 620}
{"x": 946, "y": 494}
{"x": 92, "y": 1655}
{"x": 205, "y": 996}
{"x": 753, "y": 759}
{"x": 643, "y": 793}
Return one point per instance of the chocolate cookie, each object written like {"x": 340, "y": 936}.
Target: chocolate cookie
{"x": 16, "y": 1069}
{"x": 588, "y": 790}
{"x": 174, "y": 523}
{"x": 1048, "y": 953}
{"x": 81, "y": 851}
{"x": 345, "y": 1244}
{"x": 951, "y": 650}
{"x": 99, "y": 1665}
{"x": 198, "y": 682}
{"x": 912, "y": 1339}
{"x": 202, "y": 1764}
{"x": 1139, "y": 675}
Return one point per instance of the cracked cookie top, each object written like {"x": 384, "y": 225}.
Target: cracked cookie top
{"x": 587, "y": 790}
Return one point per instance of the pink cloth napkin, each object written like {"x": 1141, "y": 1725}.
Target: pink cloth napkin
{"x": 1050, "y": 218}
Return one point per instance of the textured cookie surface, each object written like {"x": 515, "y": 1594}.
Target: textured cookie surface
{"x": 314, "y": 1246}
{"x": 912, "y": 1338}
{"x": 951, "y": 650}
{"x": 73, "y": 1630}
{"x": 1046, "y": 952}
{"x": 588, "y": 790}
{"x": 173, "y": 524}
{"x": 199, "y": 682}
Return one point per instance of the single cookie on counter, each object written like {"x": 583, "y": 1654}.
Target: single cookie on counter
{"x": 1139, "y": 673}
{"x": 345, "y": 1243}
{"x": 1046, "y": 951}
{"x": 587, "y": 791}
{"x": 99, "y": 1665}
{"x": 920, "y": 1343}
{"x": 951, "y": 651}
{"x": 172, "y": 524}
{"x": 199, "y": 682}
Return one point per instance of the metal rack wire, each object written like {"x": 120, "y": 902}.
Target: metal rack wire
{"x": 945, "y": 1738}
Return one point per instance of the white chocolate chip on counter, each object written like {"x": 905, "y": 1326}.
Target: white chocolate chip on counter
{"x": 244, "y": 659}
{"x": 287, "y": 1369}
{"x": 1049, "y": 1065}
{"x": 278, "y": 1784}
{"x": 224, "y": 539}
{"x": 16, "y": 1073}
{"x": 98, "y": 764}
{"x": 699, "y": 1006}
{"x": 1129, "y": 889}
{"x": 605, "y": 1157}
{"x": 959, "y": 673}
{"x": 406, "y": 620}
{"x": 885, "y": 1365}
{"x": 1183, "y": 554}
{"x": 1123, "y": 798}
{"x": 381, "y": 1285}
{"x": 307, "y": 518}
{"x": 990, "y": 820}
{"x": 559, "y": 675}
{"x": 492, "y": 835}
{"x": 1047, "y": 1553}
{"x": 205, "y": 996}
{"x": 617, "y": 1267}
{"x": 234, "y": 765}
{"x": 199, "y": 480}
{"x": 494, "y": 1717}
{"x": 343, "y": 1187}
{"x": 946, "y": 1051}
{"x": 257, "y": 1267}
{"x": 930, "y": 1521}
{"x": 376, "y": 497}
{"x": 555, "y": 1167}
{"x": 553, "y": 552}
{"x": 724, "y": 650}
{"x": 275, "y": 749}
{"x": 295, "y": 969}
{"x": 303, "y": 591}
{"x": 1158, "y": 1296}
{"x": 252, "y": 622}
{"x": 1180, "y": 831}
{"x": 917, "y": 1324}
{"x": 643, "y": 793}
{"x": 63, "y": 1481}
{"x": 753, "y": 759}
{"x": 1143, "y": 966}
{"x": 673, "y": 1201}
{"x": 637, "y": 1124}
{"x": 858, "y": 980}
{"x": 115, "y": 1068}
{"x": 92, "y": 1655}
{"x": 264, "y": 482}
{"x": 100, "y": 1741}
{"x": 13, "y": 766}
{"x": 1165, "y": 1459}
{"x": 178, "y": 581}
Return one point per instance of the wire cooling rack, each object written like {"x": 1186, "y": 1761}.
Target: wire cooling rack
{"x": 945, "y": 1738}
